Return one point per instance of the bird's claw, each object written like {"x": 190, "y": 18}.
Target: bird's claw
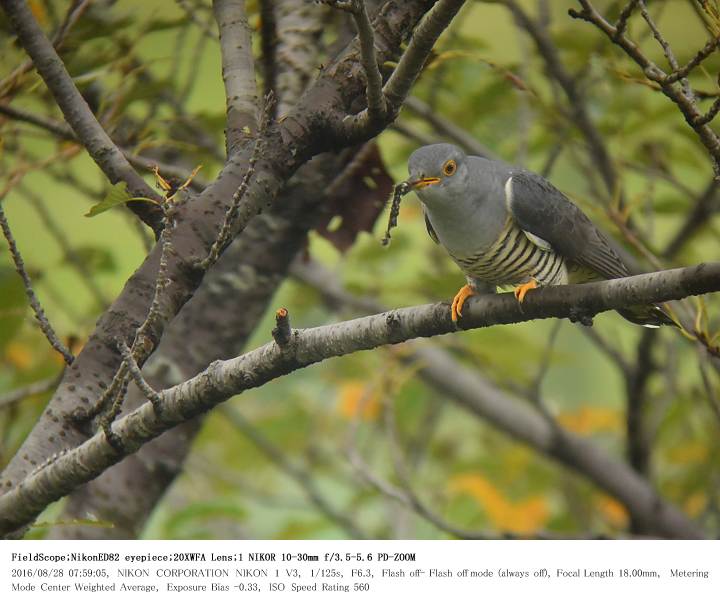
{"x": 522, "y": 290}
{"x": 457, "y": 304}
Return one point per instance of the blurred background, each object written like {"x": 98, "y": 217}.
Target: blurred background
{"x": 365, "y": 445}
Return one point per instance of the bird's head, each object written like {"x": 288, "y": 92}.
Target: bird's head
{"x": 438, "y": 173}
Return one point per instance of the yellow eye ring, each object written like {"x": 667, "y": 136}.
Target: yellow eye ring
{"x": 449, "y": 168}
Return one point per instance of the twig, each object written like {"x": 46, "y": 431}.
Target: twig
{"x": 42, "y": 319}
{"x": 625, "y": 13}
{"x": 577, "y": 104}
{"x": 699, "y": 57}
{"x": 138, "y": 378}
{"x": 710, "y": 114}
{"x": 161, "y": 283}
{"x": 667, "y": 50}
{"x": 238, "y": 70}
{"x": 77, "y": 113}
{"x": 282, "y": 332}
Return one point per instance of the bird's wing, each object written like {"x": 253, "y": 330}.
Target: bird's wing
{"x": 543, "y": 212}
{"x": 430, "y": 229}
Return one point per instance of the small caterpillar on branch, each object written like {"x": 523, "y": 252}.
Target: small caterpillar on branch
{"x": 400, "y": 190}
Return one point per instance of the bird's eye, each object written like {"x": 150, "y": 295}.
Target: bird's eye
{"x": 449, "y": 168}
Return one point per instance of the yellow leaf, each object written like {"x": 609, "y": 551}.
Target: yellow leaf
{"x": 695, "y": 504}
{"x": 358, "y": 399}
{"x": 612, "y": 511}
{"x": 38, "y": 11}
{"x": 162, "y": 183}
{"x": 19, "y": 355}
{"x": 688, "y": 453}
{"x": 522, "y": 517}
{"x": 587, "y": 420}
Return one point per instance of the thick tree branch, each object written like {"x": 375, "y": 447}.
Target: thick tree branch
{"x": 238, "y": 69}
{"x": 77, "y": 112}
{"x": 304, "y": 132}
{"x": 517, "y": 418}
{"x": 224, "y": 379}
{"x": 259, "y": 264}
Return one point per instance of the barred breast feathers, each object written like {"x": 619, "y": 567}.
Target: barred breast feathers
{"x": 513, "y": 259}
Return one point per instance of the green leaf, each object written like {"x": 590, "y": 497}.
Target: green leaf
{"x": 117, "y": 195}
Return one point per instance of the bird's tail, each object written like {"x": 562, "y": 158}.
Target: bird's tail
{"x": 649, "y": 316}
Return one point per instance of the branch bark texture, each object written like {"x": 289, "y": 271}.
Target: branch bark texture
{"x": 224, "y": 379}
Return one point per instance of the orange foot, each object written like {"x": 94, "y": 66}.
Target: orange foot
{"x": 522, "y": 290}
{"x": 457, "y": 304}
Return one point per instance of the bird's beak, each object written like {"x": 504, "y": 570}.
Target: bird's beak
{"x": 424, "y": 182}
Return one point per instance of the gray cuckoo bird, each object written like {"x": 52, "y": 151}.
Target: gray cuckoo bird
{"x": 505, "y": 226}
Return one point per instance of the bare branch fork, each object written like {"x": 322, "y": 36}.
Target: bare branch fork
{"x": 682, "y": 96}
{"x": 223, "y": 379}
{"x": 384, "y": 102}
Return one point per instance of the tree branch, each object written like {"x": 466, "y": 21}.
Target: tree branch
{"x": 238, "y": 70}
{"x": 408, "y": 68}
{"x": 288, "y": 145}
{"x": 223, "y": 379}
{"x": 77, "y": 112}
{"x": 479, "y": 396}
{"x": 64, "y": 132}
{"x": 376, "y": 106}
{"x": 685, "y": 103}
